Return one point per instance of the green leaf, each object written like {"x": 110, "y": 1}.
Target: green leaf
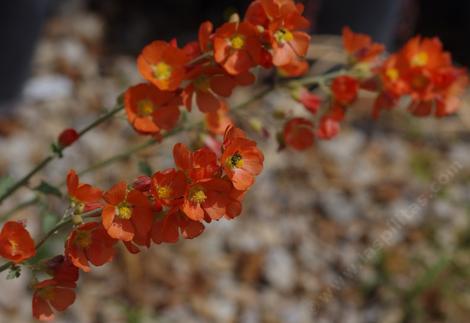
{"x": 48, "y": 189}
{"x": 14, "y": 272}
{"x": 145, "y": 168}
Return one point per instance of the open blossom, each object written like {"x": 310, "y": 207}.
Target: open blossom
{"x": 16, "y": 243}
{"x": 360, "y": 47}
{"x": 241, "y": 159}
{"x": 217, "y": 122}
{"x": 330, "y": 123}
{"x": 168, "y": 187}
{"x": 163, "y": 64}
{"x": 298, "y": 133}
{"x": 237, "y": 47}
{"x": 281, "y": 21}
{"x": 89, "y": 243}
{"x": 345, "y": 89}
{"x": 127, "y": 215}
{"x": 83, "y": 197}
{"x": 423, "y": 70}
{"x": 51, "y": 294}
{"x": 208, "y": 200}
{"x": 149, "y": 109}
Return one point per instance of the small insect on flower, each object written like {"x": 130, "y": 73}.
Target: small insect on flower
{"x": 16, "y": 243}
{"x": 241, "y": 159}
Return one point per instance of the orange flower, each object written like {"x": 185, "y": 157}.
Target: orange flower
{"x": 423, "y": 70}
{"x": 89, "y": 242}
{"x": 15, "y": 242}
{"x": 200, "y": 165}
{"x": 309, "y": 100}
{"x": 297, "y": 67}
{"x": 329, "y": 125}
{"x": 241, "y": 159}
{"x": 168, "y": 187}
{"x": 217, "y": 122}
{"x": 298, "y": 133}
{"x": 345, "y": 89}
{"x": 281, "y": 20}
{"x": 50, "y": 294}
{"x": 208, "y": 200}
{"x": 237, "y": 47}
{"x": 127, "y": 215}
{"x": 62, "y": 270}
{"x": 83, "y": 197}
{"x": 209, "y": 84}
{"x": 174, "y": 222}
{"x": 149, "y": 110}
{"x": 163, "y": 65}
{"x": 360, "y": 46}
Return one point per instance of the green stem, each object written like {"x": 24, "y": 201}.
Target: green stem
{"x": 19, "y": 207}
{"x": 23, "y": 181}
{"x": 61, "y": 224}
{"x": 316, "y": 79}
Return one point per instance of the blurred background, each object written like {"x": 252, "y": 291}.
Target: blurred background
{"x": 370, "y": 227}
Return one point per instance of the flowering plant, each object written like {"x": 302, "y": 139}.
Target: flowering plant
{"x": 209, "y": 183}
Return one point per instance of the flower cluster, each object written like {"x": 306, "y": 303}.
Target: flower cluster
{"x": 205, "y": 185}
{"x": 421, "y": 70}
{"x": 205, "y": 72}
{"x": 209, "y": 184}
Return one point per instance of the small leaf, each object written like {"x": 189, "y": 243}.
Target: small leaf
{"x": 14, "y": 272}
{"x": 145, "y": 168}
{"x": 48, "y": 189}
{"x": 56, "y": 149}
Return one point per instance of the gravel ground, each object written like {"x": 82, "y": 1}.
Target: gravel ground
{"x": 370, "y": 227}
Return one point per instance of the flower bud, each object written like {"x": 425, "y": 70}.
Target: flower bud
{"x": 68, "y": 137}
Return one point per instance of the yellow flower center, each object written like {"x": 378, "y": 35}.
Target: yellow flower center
{"x": 237, "y": 42}
{"x": 83, "y": 239}
{"x": 145, "y": 108}
{"x": 13, "y": 246}
{"x": 235, "y": 161}
{"x": 283, "y": 35}
{"x": 197, "y": 194}
{"x": 392, "y": 74}
{"x": 161, "y": 71}
{"x": 163, "y": 192}
{"x": 124, "y": 211}
{"x": 420, "y": 59}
